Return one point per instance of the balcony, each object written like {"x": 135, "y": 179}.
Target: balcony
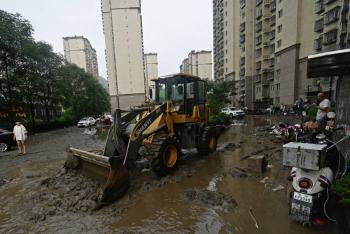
{"x": 331, "y": 15}
{"x": 257, "y": 78}
{"x": 273, "y": 6}
{"x": 330, "y": 37}
{"x": 258, "y": 65}
{"x": 266, "y": 43}
{"x": 242, "y": 61}
{"x": 242, "y": 3}
{"x": 267, "y": 16}
{"x": 242, "y": 72}
{"x": 319, "y": 7}
{"x": 258, "y": 27}
{"x": 273, "y": 21}
{"x": 266, "y": 57}
{"x": 242, "y": 27}
{"x": 266, "y": 70}
{"x": 259, "y": 13}
{"x": 242, "y": 40}
{"x": 329, "y": 1}
{"x": 271, "y": 76}
{"x": 258, "y": 40}
{"x": 318, "y": 26}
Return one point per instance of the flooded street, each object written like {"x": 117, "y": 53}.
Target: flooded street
{"x": 214, "y": 194}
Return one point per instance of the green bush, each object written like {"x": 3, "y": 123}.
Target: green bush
{"x": 220, "y": 118}
{"x": 341, "y": 187}
{"x": 312, "y": 112}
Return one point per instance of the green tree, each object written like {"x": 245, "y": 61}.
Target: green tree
{"x": 80, "y": 93}
{"x": 219, "y": 94}
{"x": 15, "y": 32}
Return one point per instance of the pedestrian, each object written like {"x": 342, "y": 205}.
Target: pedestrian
{"x": 323, "y": 108}
{"x": 20, "y": 135}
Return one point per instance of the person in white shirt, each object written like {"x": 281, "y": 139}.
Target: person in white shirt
{"x": 323, "y": 108}
{"x": 20, "y": 135}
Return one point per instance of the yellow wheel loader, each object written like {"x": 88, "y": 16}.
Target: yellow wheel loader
{"x": 179, "y": 120}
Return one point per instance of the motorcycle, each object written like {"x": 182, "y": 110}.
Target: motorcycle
{"x": 315, "y": 163}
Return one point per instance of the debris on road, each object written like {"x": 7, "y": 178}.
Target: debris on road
{"x": 212, "y": 199}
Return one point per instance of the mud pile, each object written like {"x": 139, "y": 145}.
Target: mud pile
{"x": 213, "y": 199}
{"x": 65, "y": 192}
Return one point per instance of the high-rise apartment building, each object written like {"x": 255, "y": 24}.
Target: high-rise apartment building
{"x": 198, "y": 63}
{"x": 275, "y": 37}
{"x": 122, "y": 24}
{"x": 78, "y": 50}
{"x": 226, "y": 46}
{"x": 151, "y": 72}
{"x": 331, "y": 32}
{"x": 246, "y": 55}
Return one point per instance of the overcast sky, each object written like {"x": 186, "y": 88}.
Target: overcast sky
{"x": 171, "y": 28}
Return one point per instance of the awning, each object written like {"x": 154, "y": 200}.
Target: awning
{"x": 334, "y": 63}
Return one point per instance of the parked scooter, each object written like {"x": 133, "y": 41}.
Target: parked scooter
{"x": 315, "y": 163}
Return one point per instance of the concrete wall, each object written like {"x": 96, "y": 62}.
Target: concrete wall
{"x": 151, "y": 71}
{"x": 124, "y": 48}
{"x": 127, "y": 101}
{"x": 288, "y": 66}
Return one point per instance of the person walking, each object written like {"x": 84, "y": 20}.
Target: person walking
{"x": 20, "y": 135}
{"x": 323, "y": 108}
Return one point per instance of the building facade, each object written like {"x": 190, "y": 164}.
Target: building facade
{"x": 226, "y": 46}
{"x": 198, "y": 63}
{"x": 122, "y": 24}
{"x": 275, "y": 37}
{"x": 151, "y": 72}
{"x": 78, "y": 50}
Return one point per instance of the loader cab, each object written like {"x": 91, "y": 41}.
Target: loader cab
{"x": 184, "y": 91}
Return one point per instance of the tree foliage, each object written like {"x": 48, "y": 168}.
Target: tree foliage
{"x": 219, "y": 94}
{"x": 32, "y": 74}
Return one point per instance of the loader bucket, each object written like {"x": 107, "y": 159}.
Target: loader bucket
{"x": 109, "y": 171}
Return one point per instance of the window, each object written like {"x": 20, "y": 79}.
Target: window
{"x": 161, "y": 93}
{"x": 280, "y": 13}
{"x": 177, "y": 93}
{"x": 279, "y": 43}
{"x": 330, "y": 37}
{"x": 332, "y": 15}
{"x": 278, "y": 74}
{"x": 279, "y": 28}
{"x": 189, "y": 90}
{"x": 280, "y": 1}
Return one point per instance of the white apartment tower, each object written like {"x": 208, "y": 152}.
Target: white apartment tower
{"x": 226, "y": 39}
{"x": 198, "y": 63}
{"x": 122, "y": 24}
{"x": 78, "y": 50}
{"x": 151, "y": 72}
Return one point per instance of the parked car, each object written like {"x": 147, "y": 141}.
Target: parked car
{"x": 86, "y": 122}
{"x": 233, "y": 112}
{"x": 6, "y": 140}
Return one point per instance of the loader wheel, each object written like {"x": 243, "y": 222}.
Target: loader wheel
{"x": 166, "y": 152}
{"x": 208, "y": 141}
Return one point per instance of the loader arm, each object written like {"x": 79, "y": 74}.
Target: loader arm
{"x": 137, "y": 136}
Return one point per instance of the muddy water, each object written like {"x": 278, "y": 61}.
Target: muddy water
{"x": 203, "y": 196}
{"x": 167, "y": 210}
